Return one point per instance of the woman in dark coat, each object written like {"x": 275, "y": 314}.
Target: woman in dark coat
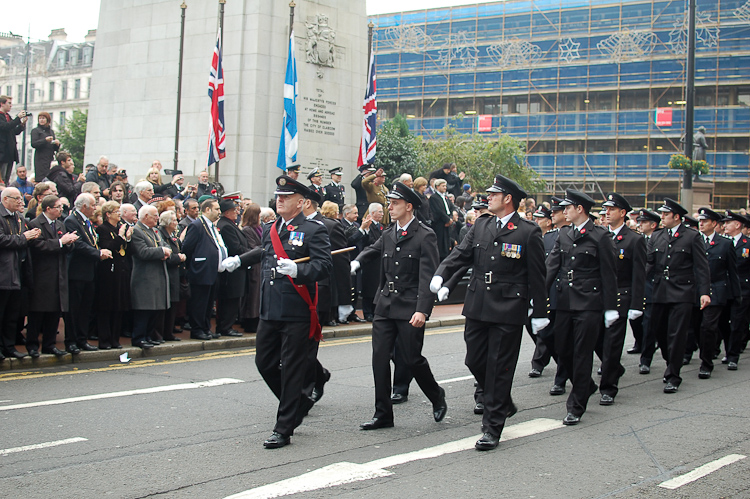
{"x": 112, "y": 277}
{"x": 175, "y": 264}
{"x": 423, "y": 213}
{"x": 250, "y": 307}
{"x": 46, "y": 145}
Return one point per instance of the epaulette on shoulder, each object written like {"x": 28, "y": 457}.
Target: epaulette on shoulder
{"x": 529, "y": 222}
{"x": 317, "y": 222}
{"x": 488, "y": 214}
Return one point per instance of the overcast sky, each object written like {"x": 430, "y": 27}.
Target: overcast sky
{"x": 79, "y": 16}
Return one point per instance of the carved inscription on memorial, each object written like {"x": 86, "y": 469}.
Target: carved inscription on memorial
{"x": 320, "y": 114}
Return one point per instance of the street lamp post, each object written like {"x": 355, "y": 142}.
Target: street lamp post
{"x": 687, "y": 175}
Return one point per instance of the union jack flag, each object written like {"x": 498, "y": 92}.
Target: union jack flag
{"x": 370, "y": 107}
{"x": 216, "y": 144}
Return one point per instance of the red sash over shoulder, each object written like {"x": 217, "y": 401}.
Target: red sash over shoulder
{"x": 316, "y": 331}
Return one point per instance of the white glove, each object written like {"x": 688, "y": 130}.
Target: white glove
{"x": 538, "y": 324}
{"x": 231, "y": 264}
{"x": 284, "y": 266}
{"x": 634, "y": 314}
{"x": 443, "y": 293}
{"x": 610, "y": 316}
{"x": 436, "y": 283}
{"x": 531, "y": 308}
{"x": 354, "y": 267}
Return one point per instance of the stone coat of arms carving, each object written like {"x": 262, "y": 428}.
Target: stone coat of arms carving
{"x": 321, "y": 40}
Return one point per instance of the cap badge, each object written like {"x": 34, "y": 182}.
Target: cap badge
{"x": 282, "y": 181}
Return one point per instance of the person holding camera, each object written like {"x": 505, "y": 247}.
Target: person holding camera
{"x": 9, "y": 128}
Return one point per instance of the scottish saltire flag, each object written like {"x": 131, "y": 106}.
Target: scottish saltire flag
{"x": 288, "y": 143}
{"x": 370, "y": 107}
{"x": 216, "y": 144}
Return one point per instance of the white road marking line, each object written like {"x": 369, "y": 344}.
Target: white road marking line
{"x": 5, "y": 452}
{"x": 158, "y": 389}
{"x": 342, "y": 473}
{"x": 453, "y": 380}
{"x": 701, "y": 471}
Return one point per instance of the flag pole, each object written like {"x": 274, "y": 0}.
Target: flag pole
{"x": 179, "y": 87}
{"x": 292, "y": 5}
{"x": 370, "y": 27}
{"x": 221, "y": 30}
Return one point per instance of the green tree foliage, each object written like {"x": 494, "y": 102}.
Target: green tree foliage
{"x": 399, "y": 151}
{"x": 481, "y": 157}
{"x": 73, "y": 137}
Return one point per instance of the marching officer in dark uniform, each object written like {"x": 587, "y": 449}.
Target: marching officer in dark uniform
{"x": 507, "y": 286}
{"x": 542, "y": 353}
{"x": 725, "y": 286}
{"x": 582, "y": 267}
{"x": 740, "y": 311}
{"x": 645, "y": 337}
{"x": 630, "y": 266}
{"x": 288, "y": 319}
{"x": 678, "y": 259}
{"x": 316, "y": 182}
{"x": 334, "y": 191}
{"x": 408, "y": 253}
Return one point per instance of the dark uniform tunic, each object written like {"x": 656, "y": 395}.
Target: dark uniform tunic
{"x": 335, "y": 193}
{"x": 680, "y": 269}
{"x": 582, "y": 268}
{"x": 284, "y": 330}
{"x": 408, "y": 264}
{"x": 630, "y": 266}
{"x": 740, "y": 312}
{"x": 508, "y": 272}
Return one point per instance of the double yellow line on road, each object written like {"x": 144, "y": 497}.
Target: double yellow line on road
{"x": 14, "y": 376}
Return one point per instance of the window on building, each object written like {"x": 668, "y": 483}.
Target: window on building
{"x": 667, "y": 97}
{"x": 602, "y": 101}
{"x": 743, "y": 96}
{"x": 32, "y": 88}
{"x": 434, "y": 108}
{"x": 73, "y": 57}
{"x": 567, "y": 102}
{"x": 64, "y": 90}
{"x": 77, "y": 89}
{"x": 410, "y": 109}
{"x": 491, "y": 105}
{"x": 61, "y": 57}
{"x": 461, "y": 106}
{"x": 62, "y": 120}
{"x": 8, "y": 89}
{"x": 20, "y": 94}
{"x": 51, "y": 117}
{"x": 88, "y": 53}
{"x": 52, "y": 90}
{"x": 386, "y": 110}
{"x": 600, "y": 146}
{"x": 634, "y": 99}
{"x": 572, "y": 146}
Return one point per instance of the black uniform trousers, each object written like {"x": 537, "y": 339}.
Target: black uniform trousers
{"x": 227, "y": 312}
{"x": 670, "y": 324}
{"x": 739, "y": 332}
{"x": 81, "y": 296}
{"x": 387, "y": 333}
{"x": 636, "y": 327}
{"x": 109, "y": 325}
{"x": 45, "y": 323}
{"x": 144, "y": 322}
{"x": 576, "y": 334}
{"x": 692, "y": 343}
{"x": 200, "y": 305}
{"x": 547, "y": 335}
{"x": 649, "y": 338}
{"x": 709, "y": 335}
{"x": 542, "y": 354}
{"x": 284, "y": 343}
{"x": 613, "y": 341}
{"x": 10, "y": 303}
{"x": 401, "y": 374}
{"x": 492, "y": 355}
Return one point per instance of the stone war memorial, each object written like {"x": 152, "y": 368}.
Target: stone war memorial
{"x": 135, "y": 79}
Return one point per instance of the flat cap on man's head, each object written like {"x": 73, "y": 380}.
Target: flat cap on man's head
{"x": 672, "y": 206}
{"x": 507, "y": 186}
{"x": 617, "y": 201}
{"x": 578, "y": 198}
{"x": 402, "y": 191}
{"x": 286, "y": 185}
{"x": 645, "y": 215}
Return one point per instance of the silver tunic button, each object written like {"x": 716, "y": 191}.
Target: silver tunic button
{"x": 492, "y": 258}
{"x": 495, "y": 243}
{"x": 398, "y": 248}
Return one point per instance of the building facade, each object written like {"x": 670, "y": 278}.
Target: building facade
{"x": 581, "y": 83}
{"x": 59, "y": 78}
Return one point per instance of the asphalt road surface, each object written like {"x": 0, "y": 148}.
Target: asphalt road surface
{"x": 193, "y": 426}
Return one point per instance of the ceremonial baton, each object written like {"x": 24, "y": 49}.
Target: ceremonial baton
{"x": 335, "y": 252}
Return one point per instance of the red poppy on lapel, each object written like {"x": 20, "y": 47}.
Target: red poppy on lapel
{"x": 511, "y": 226}
{"x": 619, "y": 238}
{"x": 713, "y": 242}
{"x": 403, "y": 233}
{"x": 583, "y": 231}
{"x": 290, "y": 228}
{"x": 59, "y": 233}
{"x": 744, "y": 240}
{"x": 676, "y": 234}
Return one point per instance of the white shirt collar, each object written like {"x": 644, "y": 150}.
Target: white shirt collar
{"x": 207, "y": 220}
{"x": 617, "y": 230}
{"x": 82, "y": 215}
{"x": 579, "y": 227}
{"x": 399, "y": 227}
{"x": 710, "y": 237}
{"x": 504, "y": 221}
{"x": 49, "y": 220}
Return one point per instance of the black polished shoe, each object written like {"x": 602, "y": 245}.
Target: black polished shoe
{"x": 606, "y": 400}
{"x": 571, "y": 419}
{"x": 487, "y": 442}
{"x": 376, "y": 424}
{"x": 355, "y": 318}
{"x": 704, "y": 374}
{"x": 369, "y": 318}
{"x": 634, "y": 350}
{"x": 670, "y": 388}
{"x": 233, "y": 333}
{"x": 73, "y": 349}
{"x": 55, "y": 351}
{"x": 440, "y": 408}
{"x": 15, "y": 353}
{"x": 512, "y": 412}
{"x": 644, "y": 369}
{"x": 105, "y": 347}
{"x": 479, "y": 408}
{"x": 87, "y": 347}
{"x": 317, "y": 392}
{"x": 599, "y": 371}
{"x": 732, "y": 366}
{"x": 174, "y": 338}
{"x": 557, "y": 390}
{"x": 276, "y": 441}
{"x": 214, "y": 336}
{"x": 724, "y": 360}
{"x": 117, "y": 346}
{"x": 398, "y": 398}
{"x": 331, "y": 323}
{"x": 344, "y": 322}
{"x": 2, "y": 357}
{"x": 686, "y": 359}
{"x": 143, "y": 344}
{"x": 200, "y": 336}
{"x": 535, "y": 373}
{"x": 34, "y": 354}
